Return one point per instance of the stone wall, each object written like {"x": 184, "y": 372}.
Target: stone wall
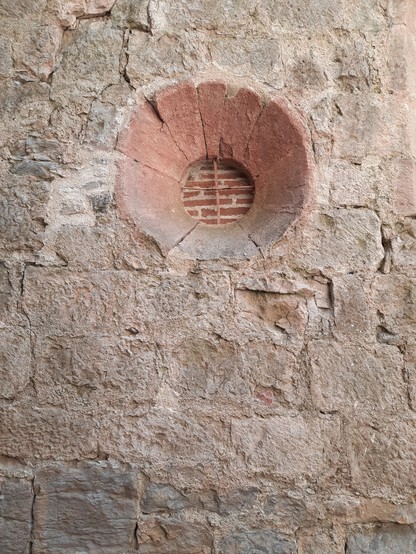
{"x": 164, "y": 404}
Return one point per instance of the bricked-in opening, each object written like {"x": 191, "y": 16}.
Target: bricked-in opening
{"x": 217, "y": 192}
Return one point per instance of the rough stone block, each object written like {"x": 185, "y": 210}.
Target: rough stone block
{"x": 287, "y": 446}
{"x": 257, "y": 540}
{"x": 356, "y": 379}
{"x": 365, "y": 126}
{"x": 46, "y": 433}
{"x": 353, "y": 309}
{"x": 90, "y": 62}
{"x": 341, "y": 240}
{"x": 159, "y": 497}
{"x": 15, "y": 361}
{"x": 118, "y": 372}
{"x": 85, "y": 248}
{"x": 405, "y": 187}
{"x": 90, "y": 506}
{"x": 395, "y": 297}
{"x": 389, "y": 539}
{"x": 171, "y": 536}
{"x": 16, "y": 500}
{"x": 380, "y": 454}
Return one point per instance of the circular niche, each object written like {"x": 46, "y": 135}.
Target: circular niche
{"x": 212, "y": 174}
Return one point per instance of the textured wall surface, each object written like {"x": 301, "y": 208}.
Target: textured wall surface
{"x": 163, "y": 404}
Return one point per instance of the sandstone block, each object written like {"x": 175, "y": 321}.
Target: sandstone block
{"x": 240, "y": 116}
{"x": 139, "y": 193}
{"x": 171, "y": 536}
{"x": 380, "y": 454}
{"x": 389, "y": 539}
{"x": 118, "y": 372}
{"x": 211, "y": 99}
{"x": 342, "y": 240}
{"x": 355, "y": 379}
{"x": 91, "y": 506}
{"x": 15, "y": 361}
{"x": 46, "y": 432}
{"x": 285, "y": 447}
{"x": 257, "y": 540}
{"x": 150, "y": 142}
{"x": 90, "y": 62}
{"x": 15, "y": 516}
{"x": 178, "y": 108}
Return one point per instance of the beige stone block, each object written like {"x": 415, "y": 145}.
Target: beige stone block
{"x": 380, "y": 455}
{"x": 353, "y": 379}
{"x": 287, "y": 447}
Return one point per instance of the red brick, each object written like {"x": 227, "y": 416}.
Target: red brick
{"x": 178, "y": 108}
{"x": 148, "y": 141}
{"x": 211, "y": 99}
{"x": 240, "y": 116}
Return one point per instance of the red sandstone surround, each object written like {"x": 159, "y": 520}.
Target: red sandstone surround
{"x": 190, "y": 124}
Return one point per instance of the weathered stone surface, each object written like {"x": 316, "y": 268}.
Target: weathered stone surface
{"x": 171, "y": 536}
{"x": 89, "y": 506}
{"x": 179, "y": 110}
{"x": 357, "y": 379}
{"x": 240, "y": 115}
{"x": 115, "y": 371}
{"x": 262, "y": 376}
{"x": 284, "y": 446}
{"x": 148, "y": 141}
{"x": 394, "y": 299}
{"x": 162, "y": 58}
{"x": 353, "y": 309}
{"x": 343, "y": 240}
{"x": 15, "y": 361}
{"x": 386, "y": 540}
{"x": 379, "y": 455}
{"x": 46, "y": 433}
{"x": 16, "y": 502}
{"x": 323, "y": 541}
{"x": 89, "y": 64}
{"x": 211, "y": 99}
{"x": 160, "y": 498}
{"x": 258, "y": 540}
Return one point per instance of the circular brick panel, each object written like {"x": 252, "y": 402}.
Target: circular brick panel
{"x": 193, "y": 136}
{"x": 217, "y": 192}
